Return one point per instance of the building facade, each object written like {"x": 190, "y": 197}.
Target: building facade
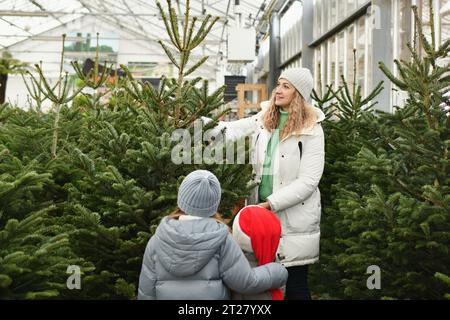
{"x": 335, "y": 38}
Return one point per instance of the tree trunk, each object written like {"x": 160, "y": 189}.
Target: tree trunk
{"x": 3, "y": 79}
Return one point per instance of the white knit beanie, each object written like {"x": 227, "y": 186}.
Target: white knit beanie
{"x": 301, "y": 79}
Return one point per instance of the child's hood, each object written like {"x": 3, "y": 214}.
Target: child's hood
{"x": 187, "y": 246}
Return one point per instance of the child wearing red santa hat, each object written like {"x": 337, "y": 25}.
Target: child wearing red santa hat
{"x": 257, "y": 231}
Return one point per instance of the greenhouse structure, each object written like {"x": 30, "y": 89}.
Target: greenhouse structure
{"x": 224, "y": 150}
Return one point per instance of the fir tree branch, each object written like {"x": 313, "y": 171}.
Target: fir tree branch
{"x": 203, "y": 35}
{"x": 49, "y": 93}
{"x": 191, "y": 30}
{"x": 196, "y": 66}
{"x": 174, "y": 23}
{"x": 186, "y": 24}
{"x": 166, "y": 23}
{"x": 184, "y": 60}
{"x": 169, "y": 54}
{"x": 422, "y": 39}
{"x": 195, "y": 42}
{"x": 391, "y": 76}
{"x": 433, "y": 32}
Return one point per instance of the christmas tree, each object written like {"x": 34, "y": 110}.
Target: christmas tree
{"x": 349, "y": 118}
{"x": 390, "y": 207}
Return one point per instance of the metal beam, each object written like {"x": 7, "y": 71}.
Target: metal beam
{"x": 102, "y": 54}
{"x": 223, "y": 32}
{"x": 18, "y": 13}
{"x": 274, "y": 51}
{"x": 82, "y": 38}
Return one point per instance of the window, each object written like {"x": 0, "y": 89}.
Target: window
{"x": 331, "y": 61}
{"x": 317, "y": 70}
{"x": 80, "y": 46}
{"x": 424, "y": 13}
{"x": 350, "y": 55}
{"x": 351, "y": 6}
{"x": 320, "y": 68}
{"x": 317, "y": 18}
{"x": 360, "y": 51}
{"x": 347, "y": 53}
{"x": 341, "y": 58}
{"x": 290, "y": 31}
{"x": 340, "y": 11}
{"x": 332, "y": 10}
{"x": 445, "y": 20}
{"x": 403, "y": 33}
{"x": 441, "y": 19}
{"x": 369, "y": 56}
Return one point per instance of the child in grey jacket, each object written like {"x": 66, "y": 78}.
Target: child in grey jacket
{"x": 192, "y": 256}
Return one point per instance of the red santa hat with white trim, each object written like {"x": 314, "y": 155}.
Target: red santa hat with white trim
{"x": 257, "y": 230}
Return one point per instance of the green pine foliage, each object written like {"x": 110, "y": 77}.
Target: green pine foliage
{"x": 445, "y": 279}
{"x": 348, "y": 128}
{"x": 34, "y": 250}
{"x": 389, "y": 203}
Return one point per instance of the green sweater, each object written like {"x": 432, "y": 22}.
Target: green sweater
{"x": 266, "y": 186}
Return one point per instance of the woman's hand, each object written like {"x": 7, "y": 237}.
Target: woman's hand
{"x": 265, "y": 205}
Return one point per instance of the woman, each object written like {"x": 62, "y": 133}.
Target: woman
{"x": 288, "y": 161}
{"x": 193, "y": 256}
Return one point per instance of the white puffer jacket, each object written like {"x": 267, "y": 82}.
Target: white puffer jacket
{"x": 298, "y": 167}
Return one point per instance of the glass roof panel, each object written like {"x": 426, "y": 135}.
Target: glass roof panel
{"x": 20, "y": 19}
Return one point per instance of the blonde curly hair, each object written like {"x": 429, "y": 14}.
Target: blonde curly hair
{"x": 301, "y": 115}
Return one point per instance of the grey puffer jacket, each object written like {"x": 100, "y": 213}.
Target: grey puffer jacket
{"x": 266, "y": 295}
{"x": 199, "y": 260}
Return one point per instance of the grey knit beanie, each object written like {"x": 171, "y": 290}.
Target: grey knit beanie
{"x": 199, "y": 194}
{"x": 301, "y": 79}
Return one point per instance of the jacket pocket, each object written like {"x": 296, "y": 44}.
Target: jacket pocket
{"x": 303, "y": 217}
